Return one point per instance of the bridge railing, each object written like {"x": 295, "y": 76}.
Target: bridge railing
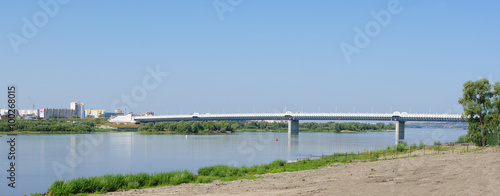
{"x": 307, "y": 116}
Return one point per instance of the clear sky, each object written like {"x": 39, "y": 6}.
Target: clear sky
{"x": 248, "y": 55}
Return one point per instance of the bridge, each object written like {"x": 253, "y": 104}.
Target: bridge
{"x": 293, "y": 118}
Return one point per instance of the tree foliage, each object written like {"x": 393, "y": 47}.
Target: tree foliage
{"x": 349, "y": 126}
{"x": 481, "y": 110}
{"x": 50, "y": 125}
{"x": 227, "y": 126}
{"x": 188, "y": 127}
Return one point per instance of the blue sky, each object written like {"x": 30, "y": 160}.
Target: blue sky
{"x": 261, "y": 56}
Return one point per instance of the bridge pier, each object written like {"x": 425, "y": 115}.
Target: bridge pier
{"x": 293, "y": 144}
{"x": 293, "y": 127}
{"x": 400, "y": 131}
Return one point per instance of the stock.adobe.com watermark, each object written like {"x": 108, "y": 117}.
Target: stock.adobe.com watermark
{"x": 11, "y": 156}
{"x": 76, "y": 153}
{"x": 372, "y": 29}
{"x": 251, "y": 148}
{"x": 30, "y": 26}
{"x": 223, "y": 6}
{"x": 11, "y": 138}
{"x": 139, "y": 93}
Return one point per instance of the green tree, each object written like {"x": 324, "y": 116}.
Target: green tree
{"x": 494, "y": 119}
{"x": 478, "y": 101}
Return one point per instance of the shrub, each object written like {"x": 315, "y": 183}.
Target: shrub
{"x": 219, "y": 171}
{"x": 402, "y": 147}
{"x": 107, "y": 183}
{"x": 413, "y": 146}
{"x": 461, "y": 139}
{"x": 421, "y": 145}
{"x": 389, "y": 149}
{"x": 278, "y": 163}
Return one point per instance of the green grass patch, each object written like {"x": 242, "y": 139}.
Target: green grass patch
{"x": 108, "y": 183}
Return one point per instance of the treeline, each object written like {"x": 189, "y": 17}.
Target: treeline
{"x": 226, "y": 126}
{"x": 50, "y": 125}
{"x": 317, "y": 127}
{"x": 189, "y": 127}
{"x": 348, "y": 126}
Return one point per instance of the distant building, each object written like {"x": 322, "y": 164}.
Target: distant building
{"x": 122, "y": 119}
{"x": 47, "y": 113}
{"x": 4, "y": 112}
{"x": 94, "y": 113}
{"x": 117, "y": 112}
{"x": 23, "y": 113}
{"x": 79, "y": 108}
{"x": 27, "y": 112}
{"x": 111, "y": 114}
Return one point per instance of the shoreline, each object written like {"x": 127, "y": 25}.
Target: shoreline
{"x": 263, "y": 131}
{"x": 472, "y": 173}
{"x": 178, "y": 133}
{"x": 230, "y": 173}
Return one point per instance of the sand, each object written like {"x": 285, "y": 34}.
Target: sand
{"x": 473, "y": 173}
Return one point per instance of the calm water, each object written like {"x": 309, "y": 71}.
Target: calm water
{"x": 41, "y": 159}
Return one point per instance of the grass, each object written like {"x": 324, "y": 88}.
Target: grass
{"x": 43, "y": 132}
{"x": 108, "y": 183}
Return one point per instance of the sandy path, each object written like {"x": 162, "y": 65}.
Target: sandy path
{"x": 475, "y": 173}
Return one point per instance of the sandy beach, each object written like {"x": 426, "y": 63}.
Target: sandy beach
{"x": 472, "y": 173}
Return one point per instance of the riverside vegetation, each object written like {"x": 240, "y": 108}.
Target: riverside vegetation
{"x": 227, "y": 126}
{"x": 87, "y": 125}
{"x": 48, "y": 126}
{"x": 481, "y": 102}
{"x": 108, "y": 183}
{"x": 72, "y": 125}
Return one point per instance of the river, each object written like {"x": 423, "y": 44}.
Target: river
{"x": 43, "y": 158}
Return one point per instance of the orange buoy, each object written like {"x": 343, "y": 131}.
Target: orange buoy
{"x": 276, "y": 139}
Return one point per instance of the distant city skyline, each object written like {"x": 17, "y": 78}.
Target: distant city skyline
{"x": 173, "y": 57}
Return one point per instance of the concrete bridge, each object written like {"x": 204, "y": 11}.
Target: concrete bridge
{"x": 293, "y": 118}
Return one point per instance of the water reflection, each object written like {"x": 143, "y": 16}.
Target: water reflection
{"x": 103, "y": 153}
{"x": 293, "y": 143}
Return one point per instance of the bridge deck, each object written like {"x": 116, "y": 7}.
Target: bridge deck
{"x": 306, "y": 116}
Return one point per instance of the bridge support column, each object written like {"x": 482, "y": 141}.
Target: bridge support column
{"x": 293, "y": 127}
{"x": 400, "y": 131}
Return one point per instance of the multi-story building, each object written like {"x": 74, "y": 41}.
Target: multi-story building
{"x": 116, "y": 113}
{"x": 79, "y": 108}
{"x": 47, "y": 113}
{"x": 4, "y": 112}
{"x": 76, "y": 110}
{"x": 23, "y": 113}
{"x": 27, "y": 112}
{"x": 94, "y": 113}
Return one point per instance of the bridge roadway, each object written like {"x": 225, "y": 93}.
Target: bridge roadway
{"x": 293, "y": 118}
